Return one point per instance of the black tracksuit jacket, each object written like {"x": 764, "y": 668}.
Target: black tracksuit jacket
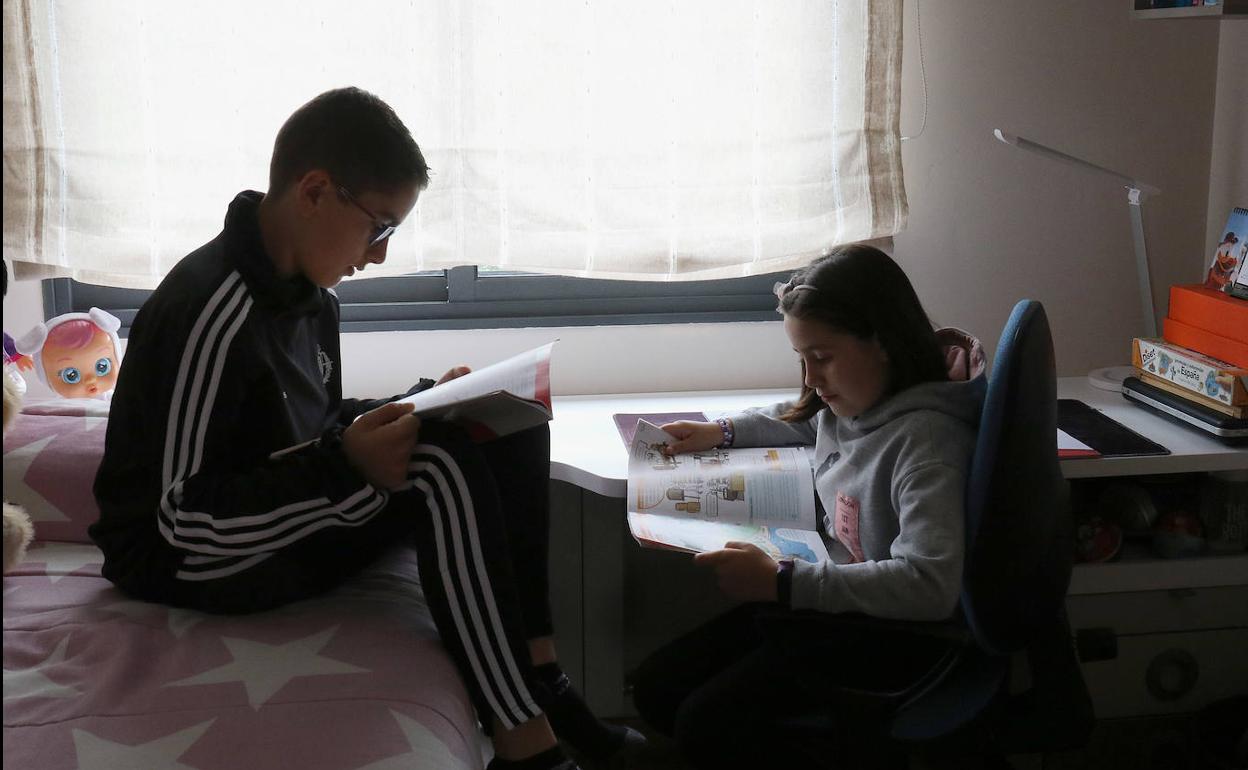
{"x": 224, "y": 436}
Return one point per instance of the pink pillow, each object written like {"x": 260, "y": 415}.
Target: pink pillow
{"x": 50, "y": 459}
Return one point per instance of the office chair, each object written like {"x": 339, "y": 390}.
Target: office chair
{"x": 1019, "y": 556}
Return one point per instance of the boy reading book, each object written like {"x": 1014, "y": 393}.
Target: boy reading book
{"x": 236, "y": 478}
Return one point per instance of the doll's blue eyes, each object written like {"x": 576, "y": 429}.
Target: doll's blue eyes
{"x": 71, "y": 376}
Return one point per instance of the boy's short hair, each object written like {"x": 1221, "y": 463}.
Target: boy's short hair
{"x": 354, "y": 136}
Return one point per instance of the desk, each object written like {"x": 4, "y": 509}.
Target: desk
{"x": 610, "y": 591}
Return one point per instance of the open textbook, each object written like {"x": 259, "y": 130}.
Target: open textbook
{"x": 502, "y": 398}
{"x": 697, "y": 502}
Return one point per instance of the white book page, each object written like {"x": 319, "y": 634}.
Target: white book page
{"x": 700, "y": 536}
{"x": 525, "y": 375}
{"x": 1067, "y": 442}
{"x": 771, "y": 486}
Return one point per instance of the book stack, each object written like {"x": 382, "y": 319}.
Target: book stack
{"x": 1202, "y": 356}
{"x": 1197, "y": 371}
{"x": 1202, "y": 380}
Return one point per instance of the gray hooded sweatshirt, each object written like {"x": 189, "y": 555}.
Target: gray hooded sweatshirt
{"x": 891, "y": 483}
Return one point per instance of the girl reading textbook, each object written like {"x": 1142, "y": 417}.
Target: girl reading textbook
{"x": 890, "y": 405}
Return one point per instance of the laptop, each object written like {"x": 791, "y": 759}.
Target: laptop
{"x": 1231, "y": 430}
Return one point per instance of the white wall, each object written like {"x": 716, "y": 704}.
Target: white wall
{"x": 1228, "y": 175}
{"x": 991, "y": 224}
{"x": 988, "y": 224}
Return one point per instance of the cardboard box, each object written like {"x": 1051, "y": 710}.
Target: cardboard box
{"x": 1214, "y": 311}
{"x": 1200, "y": 374}
{"x": 1213, "y": 345}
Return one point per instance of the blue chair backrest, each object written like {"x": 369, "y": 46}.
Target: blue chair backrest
{"x": 1019, "y": 551}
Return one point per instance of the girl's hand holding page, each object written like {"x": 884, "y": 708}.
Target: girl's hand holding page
{"x": 692, "y": 436}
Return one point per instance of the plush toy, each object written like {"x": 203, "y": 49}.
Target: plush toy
{"x": 76, "y": 354}
{"x": 14, "y": 364}
{"x": 17, "y": 527}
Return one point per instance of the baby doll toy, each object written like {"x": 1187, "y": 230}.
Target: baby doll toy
{"x": 76, "y": 354}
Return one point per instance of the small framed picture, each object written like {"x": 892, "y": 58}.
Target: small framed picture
{"x": 1226, "y": 273}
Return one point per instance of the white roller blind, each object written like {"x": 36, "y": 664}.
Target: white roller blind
{"x": 641, "y": 140}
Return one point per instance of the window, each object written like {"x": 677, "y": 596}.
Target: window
{"x": 649, "y": 142}
{"x": 463, "y": 298}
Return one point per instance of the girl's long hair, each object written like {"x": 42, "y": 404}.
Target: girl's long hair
{"x": 860, "y": 290}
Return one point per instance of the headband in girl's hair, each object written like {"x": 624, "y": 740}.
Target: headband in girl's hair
{"x": 76, "y": 354}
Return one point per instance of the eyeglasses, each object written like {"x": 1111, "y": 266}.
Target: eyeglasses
{"x": 381, "y": 229}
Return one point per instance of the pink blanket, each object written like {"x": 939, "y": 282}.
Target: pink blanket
{"x": 356, "y": 679}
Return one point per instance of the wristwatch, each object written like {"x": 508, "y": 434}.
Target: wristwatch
{"x": 784, "y": 581}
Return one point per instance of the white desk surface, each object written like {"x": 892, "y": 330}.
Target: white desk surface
{"x": 586, "y": 449}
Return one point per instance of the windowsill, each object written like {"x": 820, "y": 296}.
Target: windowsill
{"x": 587, "y": 359}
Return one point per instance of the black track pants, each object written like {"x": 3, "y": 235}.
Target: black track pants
{"x": 478, "y": 516}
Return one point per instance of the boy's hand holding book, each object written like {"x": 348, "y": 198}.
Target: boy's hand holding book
{"x": 500, "y": 399}
{"x": 455, "y": 372}
{"x": 379, "y": 444}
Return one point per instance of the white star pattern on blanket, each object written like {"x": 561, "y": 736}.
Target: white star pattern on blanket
{"x": 427, "y": 749}
{"x": 95, "y": 753}
{"x": 33, "y": 683}
{"x": 65, "y": 558}
{"x": 265, "y": 668}
{"x": 178, "y": 620}
{"x": 17, "y": 465}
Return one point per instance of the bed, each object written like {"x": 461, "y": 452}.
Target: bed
{"x": 92, "y": 678}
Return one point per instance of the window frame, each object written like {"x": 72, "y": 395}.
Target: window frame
{"x": 463, "y": 298}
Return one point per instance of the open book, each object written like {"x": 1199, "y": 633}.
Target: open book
{"x": 506, "y": 397}
{"x": 697, "y": 502}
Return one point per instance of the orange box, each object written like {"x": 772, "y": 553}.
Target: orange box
{"x": 1213, "y": 345}
{"x": 1211, "y": 310}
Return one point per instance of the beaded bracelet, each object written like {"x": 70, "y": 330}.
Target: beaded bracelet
{"x": 725, "y": 425}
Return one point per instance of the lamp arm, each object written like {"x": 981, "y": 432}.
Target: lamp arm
{"x": 1137, "y": 192}
{"x": 1134, "y": 205}
{"x": 1026, "y": 144}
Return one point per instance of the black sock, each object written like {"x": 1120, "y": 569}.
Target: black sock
{"x": 550, "y": 759}
{"x": 571, "y": 718}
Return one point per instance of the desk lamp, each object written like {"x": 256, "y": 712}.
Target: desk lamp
{"x": 1110, "y": 378}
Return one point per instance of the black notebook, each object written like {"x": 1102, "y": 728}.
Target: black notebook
{"x": 1104, "y": 434}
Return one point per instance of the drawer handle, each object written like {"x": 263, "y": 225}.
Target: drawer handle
{"x": 1172, "y": 674}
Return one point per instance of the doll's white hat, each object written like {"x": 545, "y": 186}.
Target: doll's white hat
{"x": 31, "y": 343}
